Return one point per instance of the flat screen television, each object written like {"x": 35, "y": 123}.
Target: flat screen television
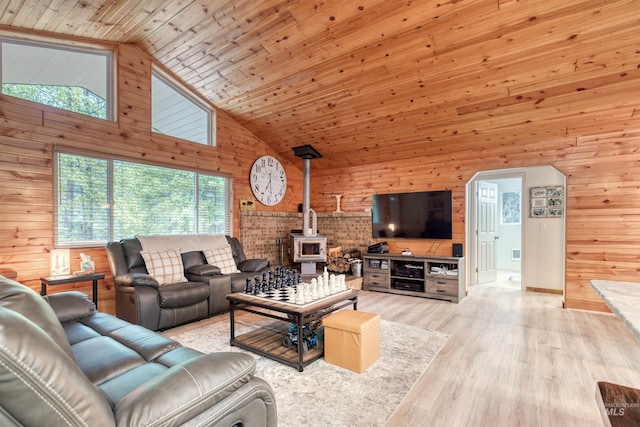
{"x": 419, "y": 215}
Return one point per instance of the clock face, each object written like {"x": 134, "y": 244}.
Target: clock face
{"x": 268, "y": 180}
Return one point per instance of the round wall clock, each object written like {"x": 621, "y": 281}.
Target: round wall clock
{"x": 268, "y": 180}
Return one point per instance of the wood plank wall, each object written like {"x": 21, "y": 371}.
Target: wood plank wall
{"x": 603, "y": 203}
{"x": 601, "y": 165}
{"x": 30, "y": 133}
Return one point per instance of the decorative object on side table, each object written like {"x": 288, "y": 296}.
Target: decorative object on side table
{"x": 87, "y": 266}
{"x": 60, "y": 262}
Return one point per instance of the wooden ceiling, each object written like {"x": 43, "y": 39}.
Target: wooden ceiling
{"x": 372, "y": 80}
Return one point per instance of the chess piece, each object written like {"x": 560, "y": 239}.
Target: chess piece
{"x": 307, "y": 292}
{"x": 332, "y": 286}
{"x": 321, "y": 291}
{"x": 256, "y": 285}
{"x": 299, "y": 294}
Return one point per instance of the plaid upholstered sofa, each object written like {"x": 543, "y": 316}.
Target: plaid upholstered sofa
{"x": 163, "y": 281}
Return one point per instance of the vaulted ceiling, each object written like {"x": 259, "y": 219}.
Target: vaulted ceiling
{"x": 370, "y": 80}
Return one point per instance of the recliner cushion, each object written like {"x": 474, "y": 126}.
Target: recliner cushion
{"x": 204, "y": 270}
{"x": 69, "y": 309}
{"x": 132, "y": 249}
{"x": 192, "y": 259}
{"x": 148, "y": 344}
{"x": 118, "y": 387}
{"x": 236, "y": 248}
{"x": 40, "y": 384}
{"x": 21, "y": 299}
{"x": 103, "y": 358}
{"x": 253, "y": 265}
{"x": 183, "y": 294}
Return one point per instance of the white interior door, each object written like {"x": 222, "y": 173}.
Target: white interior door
{"x": 487, "y": 222}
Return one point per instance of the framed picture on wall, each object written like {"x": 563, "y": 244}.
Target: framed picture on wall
{"x": 538, "y": 193}
{"x": 510, "y": 207}
{"x": 546, "y": 202}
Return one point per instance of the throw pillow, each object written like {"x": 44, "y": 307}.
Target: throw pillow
{"x": 223, "y": 258}
{"x": 165, "y": 266}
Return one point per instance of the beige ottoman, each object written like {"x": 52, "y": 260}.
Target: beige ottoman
{"x": 352, "y": 339}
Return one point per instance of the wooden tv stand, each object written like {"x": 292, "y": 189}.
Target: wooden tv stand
{"x": 423, "y": 276}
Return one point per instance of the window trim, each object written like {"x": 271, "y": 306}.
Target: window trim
{"x": 111, "y": 68}
{"x": 229, "y": 212}
{"x": 192, "y": 96}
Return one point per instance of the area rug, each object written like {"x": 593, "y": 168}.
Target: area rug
{"x": 327, "y": 395}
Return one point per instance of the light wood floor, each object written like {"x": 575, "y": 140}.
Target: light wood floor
{"x": 514, "y": 359}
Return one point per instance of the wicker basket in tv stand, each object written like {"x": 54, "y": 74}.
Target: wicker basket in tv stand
{"x": 423, "y": 276}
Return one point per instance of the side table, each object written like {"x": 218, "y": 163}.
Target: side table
{"x": 63, "y": 280}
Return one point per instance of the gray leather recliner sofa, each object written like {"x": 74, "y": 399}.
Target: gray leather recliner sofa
{"x": 141, "y": 300}
{"x": 63, "y": 363}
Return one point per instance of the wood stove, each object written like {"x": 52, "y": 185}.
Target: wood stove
{"x": 309, "y": 248}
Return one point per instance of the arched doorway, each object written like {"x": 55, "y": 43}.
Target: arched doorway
{"x": 493, "y": 235}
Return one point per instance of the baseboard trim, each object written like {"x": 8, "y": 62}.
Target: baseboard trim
{"x": 546, "y": 291}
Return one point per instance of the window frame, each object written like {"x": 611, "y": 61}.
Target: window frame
{"x": 110, "y": 196}
{"x": 184, "y": 91}
{"x": 110, "y": 75}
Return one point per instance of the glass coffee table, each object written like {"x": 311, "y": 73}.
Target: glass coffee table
{"x": 268, "y": 341}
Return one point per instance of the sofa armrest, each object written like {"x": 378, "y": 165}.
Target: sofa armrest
{"x": 136, "y": 279}
{"x": 186, "y": 390}
{"x": 253, "y": 265}
{"x": 71, "y": 305}
{"x": 203, "y": 270}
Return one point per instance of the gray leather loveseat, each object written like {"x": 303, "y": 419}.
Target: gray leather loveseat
{"x": 64, "y": 364}
{"x": 201, "y": 293}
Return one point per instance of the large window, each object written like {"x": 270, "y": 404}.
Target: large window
{"x": 73, "y": 79}
{"x": 98, "y": 200}
{"x": 176, "y": 112}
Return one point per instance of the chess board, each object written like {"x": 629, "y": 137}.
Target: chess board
{"x": 280, "y": 296}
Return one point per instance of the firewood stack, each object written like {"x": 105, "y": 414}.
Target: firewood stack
{"x": 339, "y": 261}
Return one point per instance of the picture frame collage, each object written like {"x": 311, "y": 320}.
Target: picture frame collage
{"x": 546, "y": 202}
